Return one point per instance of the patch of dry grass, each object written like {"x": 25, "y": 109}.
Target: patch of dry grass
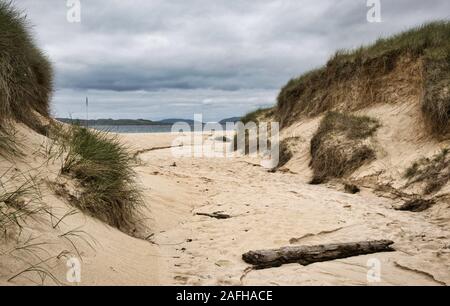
{"x": 26, "y": 74}
{"x": 8, "y": 146}
{"x": 433, "y": 172}
{"x": 103, "y": 168}
{"x": 436, "y": 101}
{"x": 257, "y": 115}
{"x": 19, "y": 201}
{"x": 354, "y": 79}
{"x": 338, "y": 147}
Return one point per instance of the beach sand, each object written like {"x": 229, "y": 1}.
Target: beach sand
{"x": 270, "y": 210}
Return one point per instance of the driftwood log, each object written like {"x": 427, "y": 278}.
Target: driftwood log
{"x": 306, "y": 255}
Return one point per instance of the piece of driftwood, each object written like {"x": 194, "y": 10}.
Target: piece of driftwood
{"x": 216, "y": 215}
{"x": 306, "y": 255}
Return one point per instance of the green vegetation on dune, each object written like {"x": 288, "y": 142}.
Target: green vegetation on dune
{"x": 255, "y": 116}
{"x": 338, "y": 148}
{"x": 25, "y": 73}
{"x": 19, "y": 201}
{"x": 8, "y": 145}
{"x": 354, "y": 79}
{"x": 99, "y": 164}
{"x": 430, "y": 40}
{"x": 436, "y": 100}
{"x": 102, "y": 166}
{"x": 112, "y": 122}
{"x": 433, "y": 172}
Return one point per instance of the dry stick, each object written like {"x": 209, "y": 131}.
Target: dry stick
{"x": 216, "y": 215}
{"x": 244, "y": 274}
{"x": 137, "y": 153}
{"x": 306, "y": 255}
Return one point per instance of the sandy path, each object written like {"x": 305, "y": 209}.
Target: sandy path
{"x": 273, "y": 210}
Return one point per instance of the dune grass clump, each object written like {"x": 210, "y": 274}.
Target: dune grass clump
{"x": 102, "y": 166}
{"x": 257, "y": 115}
{"x": 25, "y": 72}
{"x": 19, "y": 200}
{"x": 436, "y": 101}
{"x": 339, "y": 146}
{"x": 354, "y": 79}
{"x": 8, "y": 145}
{"x": 433, "y": 172}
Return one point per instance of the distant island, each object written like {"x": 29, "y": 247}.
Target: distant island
{"x": 110, "y": 121}
{"x": 135, "y": 122}
{"x": 232, "y": 119}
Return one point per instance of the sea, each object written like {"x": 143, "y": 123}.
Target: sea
{"x": 136, "y": 129}
{"x": 126, "y": 129}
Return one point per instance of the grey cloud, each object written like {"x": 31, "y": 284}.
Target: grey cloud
{"x": 213, "y": 104}
{"x": 203, "y": 46}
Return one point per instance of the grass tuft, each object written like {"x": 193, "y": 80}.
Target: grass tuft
{"x": 354, "y": 79}
{"x": 338, "y": 148}
{"x": 8, "y": 145}
{"x": 257, "y": 115}
{"x": 19, "y": 201}
{"x": 436, "y": 100}
{"x": 433, "y": 172}
{"x": 102, "y": 166}
{"x": 25, "y": 72}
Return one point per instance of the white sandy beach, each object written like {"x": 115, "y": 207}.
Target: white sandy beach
{"x": 268, "y": 210}
{"x": 271, "y": 210}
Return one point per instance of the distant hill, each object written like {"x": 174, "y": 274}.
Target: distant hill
{"x": 173, "y": 121}
{"x": 118, "y": 122}
{"x": 114, "y": 122}
{"x": 232, "y": 119}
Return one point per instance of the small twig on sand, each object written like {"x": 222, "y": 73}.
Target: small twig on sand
{"x": 216, "y": 215}
{"x": 137, "y": 153}
{"x": 244, "y": 275}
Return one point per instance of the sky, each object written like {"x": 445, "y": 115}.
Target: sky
{"x": 157, "y": 59}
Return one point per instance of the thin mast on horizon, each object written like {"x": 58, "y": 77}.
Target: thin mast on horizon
{"x": 87, "y": 112}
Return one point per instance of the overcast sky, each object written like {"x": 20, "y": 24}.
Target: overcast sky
{"x": 158, "y": 59}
